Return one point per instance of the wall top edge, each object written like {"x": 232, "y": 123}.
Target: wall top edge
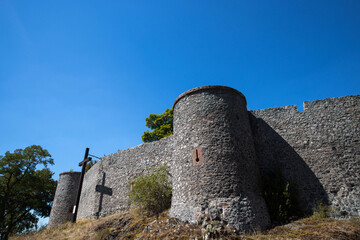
{"x": 69, "y": 173}
{"x": 208, "y": 87}
{"x": 308, "y": 105}
{"x": 143, "y": 145}
{"x": 283, "y": 108}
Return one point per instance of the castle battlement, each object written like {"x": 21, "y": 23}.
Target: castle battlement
{"x": 317, "y": 150}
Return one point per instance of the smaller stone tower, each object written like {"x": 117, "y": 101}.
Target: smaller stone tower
{"x": 215, "y": 171}
{"x": 65, "y": 198}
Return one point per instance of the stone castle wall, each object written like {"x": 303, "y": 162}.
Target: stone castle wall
{"x": 106, "y": 184}
{"x": 213, "y": 123}
{"x": 65, "y": 198}
{"x": 318, "y": 150}
{"x": 220, "y": 153}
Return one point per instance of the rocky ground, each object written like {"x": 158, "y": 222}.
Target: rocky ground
{"x": 133, "y": 225}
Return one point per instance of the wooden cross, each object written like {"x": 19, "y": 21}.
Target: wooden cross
{"x": 83, "y": 164}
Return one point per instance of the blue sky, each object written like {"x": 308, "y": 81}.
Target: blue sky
{"x": 77, "y": 74}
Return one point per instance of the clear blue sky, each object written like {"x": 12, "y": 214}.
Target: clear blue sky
{"x": 77, "y": 74}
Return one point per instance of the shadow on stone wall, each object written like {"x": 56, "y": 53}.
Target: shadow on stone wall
{"x": 274, "y": 152}
{"x": 102, "y": 189}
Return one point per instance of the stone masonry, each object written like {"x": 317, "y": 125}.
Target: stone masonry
{"x": 318, "y": 150}
{"x": 65, "y": 198}
{"x": 214, "y": 120}
{"x": 220, "y": 152}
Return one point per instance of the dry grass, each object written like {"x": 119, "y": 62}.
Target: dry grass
{"x": 310, "y": 228}
{"x": 132, "y": 225}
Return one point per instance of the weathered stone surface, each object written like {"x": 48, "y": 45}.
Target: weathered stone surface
{"x": 215, "y": 119}
{"x": 65, "y": 198}
{"x": 317, "y": 150}
{"x": 115, "y": 172}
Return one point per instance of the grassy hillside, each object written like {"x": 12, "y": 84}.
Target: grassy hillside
{"x": 131, "y": 225}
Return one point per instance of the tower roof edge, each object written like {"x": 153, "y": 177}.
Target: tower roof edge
{"x": 208, "y": 87}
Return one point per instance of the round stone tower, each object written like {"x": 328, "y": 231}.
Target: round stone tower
{"x": 215, "y": 171}
{"x": 65, "y": 198}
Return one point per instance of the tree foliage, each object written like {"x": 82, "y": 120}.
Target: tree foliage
{"x": 160, "y": 124}
{"x": 152, "y": 192}
{"x": 26, "y": 191}
{"x": 90, "y": 164}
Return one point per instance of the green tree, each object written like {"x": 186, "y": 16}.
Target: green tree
{"x": 160, "y": 124}
{"x": 26, "y": 191}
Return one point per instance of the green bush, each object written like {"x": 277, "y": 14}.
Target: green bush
{"x": 280, "y": 198}
{"x": 152, "y": 192}
{"x": 321, "y": 211}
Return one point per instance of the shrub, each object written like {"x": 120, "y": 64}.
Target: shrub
{"x": 152, "y": 192}
{"x": 281, "y": 199}
{"x": 321, "y": 211}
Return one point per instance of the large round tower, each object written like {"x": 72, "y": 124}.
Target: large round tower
{"x": 65, "y": 198}
{"x": 214, "y": 168}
